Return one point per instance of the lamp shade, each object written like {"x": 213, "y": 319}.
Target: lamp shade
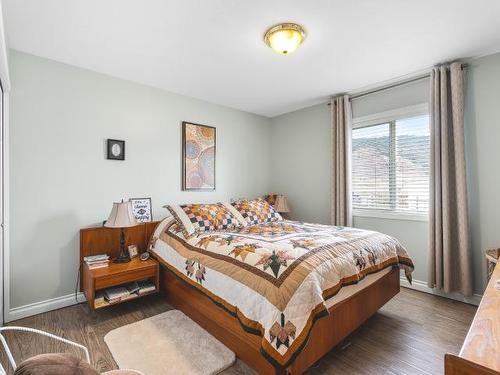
{"x": 281, "y": 204}
{"x": 121, "y": 216}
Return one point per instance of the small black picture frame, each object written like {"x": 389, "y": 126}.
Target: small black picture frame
{"x": 116, "y": 149}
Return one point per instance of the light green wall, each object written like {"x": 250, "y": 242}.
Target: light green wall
{"x": 307, "y": 151}
{"x": 301, "y": 161}
{"x": 60, "y": 117}
{"x": 482, "y": 131}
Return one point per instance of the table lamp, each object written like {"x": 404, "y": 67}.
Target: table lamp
{"x": 281, "y": 204}
{"x": 122, "y": 217}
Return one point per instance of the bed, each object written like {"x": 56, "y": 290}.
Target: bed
{"x": 279, "y": 294}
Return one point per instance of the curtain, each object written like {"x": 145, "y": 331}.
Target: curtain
{"x": 450, "y": 254}
{"x": 341, "y": 161}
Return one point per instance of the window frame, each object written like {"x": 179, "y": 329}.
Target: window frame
{"x": 390, "y": 117}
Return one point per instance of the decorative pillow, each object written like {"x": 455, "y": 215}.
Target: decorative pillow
{"x": 257, "y": 211}
{"x": 205, "y": 217}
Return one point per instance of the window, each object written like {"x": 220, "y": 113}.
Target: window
{"x": 390, "y": 163}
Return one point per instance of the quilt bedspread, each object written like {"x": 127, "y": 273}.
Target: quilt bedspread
{"x": 276, "y": 277}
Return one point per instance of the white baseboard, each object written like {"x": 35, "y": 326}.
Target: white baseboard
{"x": 421, "y": 286}
{"x": 43, "y": 306}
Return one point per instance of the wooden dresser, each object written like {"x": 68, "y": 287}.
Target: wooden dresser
{"x": 480, "y": 353}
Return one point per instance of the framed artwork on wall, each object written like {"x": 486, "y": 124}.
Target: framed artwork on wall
{"x": 142, "y": 209}
{"x": 198, "y": 157}
{"x": 116, "y": 149}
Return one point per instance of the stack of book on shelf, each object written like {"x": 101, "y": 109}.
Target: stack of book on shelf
{"x": 132, "y": 289}
{"x": 97, "y": 261}
{"x": 99, "y": 299}
{"x": 116, "y": 294}
{"x": 146, "y": 286}
{"x": 123, "y": 292}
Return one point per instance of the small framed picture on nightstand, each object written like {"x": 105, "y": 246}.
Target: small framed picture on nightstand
{"x": 133, "y": 251}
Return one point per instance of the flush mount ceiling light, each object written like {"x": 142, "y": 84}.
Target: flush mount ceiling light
{"x": 285, "y": 37}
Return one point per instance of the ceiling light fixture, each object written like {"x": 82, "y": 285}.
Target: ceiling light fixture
{"x": 285, "y": 37}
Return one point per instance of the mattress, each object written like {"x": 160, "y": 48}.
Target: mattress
{"x": 162, "y": 251}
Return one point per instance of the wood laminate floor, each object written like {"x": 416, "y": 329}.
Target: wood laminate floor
{"x": 409, "y": 335}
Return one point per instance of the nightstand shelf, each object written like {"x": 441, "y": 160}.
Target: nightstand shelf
{"x": 107, "y": 304}
{"x": 118, "y": 274}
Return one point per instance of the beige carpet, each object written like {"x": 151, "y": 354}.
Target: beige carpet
{"x": 168, "y": 343}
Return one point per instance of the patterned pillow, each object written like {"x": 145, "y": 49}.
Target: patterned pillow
{"x": 257, "y": 211}
{"x": 199, "y": 218}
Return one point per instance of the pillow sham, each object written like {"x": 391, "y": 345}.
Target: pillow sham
{"x": 256, "y": 211}
{"x": 205, "y": 217}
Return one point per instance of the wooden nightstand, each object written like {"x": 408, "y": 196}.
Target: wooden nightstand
{"x": 492, "y": 257}
{"x": 117, "y": 274}
{"x": 103, "y": 240}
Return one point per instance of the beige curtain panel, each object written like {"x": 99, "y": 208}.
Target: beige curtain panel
{"x": 450, "y": 253}
{"x": 341, "y": 161}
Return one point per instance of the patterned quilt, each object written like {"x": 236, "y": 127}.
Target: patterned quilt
{"x": 276, "y": 277}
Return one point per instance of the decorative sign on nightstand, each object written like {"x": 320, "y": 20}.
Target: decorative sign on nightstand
{"x": 491, "y": 261}
{"x": 142, "y": 209}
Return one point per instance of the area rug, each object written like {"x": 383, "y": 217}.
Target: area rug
{"x": 168, "y": 343}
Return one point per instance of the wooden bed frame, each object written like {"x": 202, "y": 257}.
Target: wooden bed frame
{"x": 327, "y": 332}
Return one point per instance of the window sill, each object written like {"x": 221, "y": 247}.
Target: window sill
{"x": 390, "y": 215}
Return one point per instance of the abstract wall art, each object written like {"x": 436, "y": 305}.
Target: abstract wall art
{"x": 198, "y": 157}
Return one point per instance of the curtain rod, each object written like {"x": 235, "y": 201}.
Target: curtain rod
{"x": 388, "y": 87}
{"x": 393, "y": 85}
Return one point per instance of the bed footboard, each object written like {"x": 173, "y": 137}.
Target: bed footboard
{"x": 327, "y": 332}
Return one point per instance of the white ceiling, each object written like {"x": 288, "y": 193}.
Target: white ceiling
{"x": 213, "y": 49}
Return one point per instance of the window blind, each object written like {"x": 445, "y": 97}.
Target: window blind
{"x": 390, "y": 166}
